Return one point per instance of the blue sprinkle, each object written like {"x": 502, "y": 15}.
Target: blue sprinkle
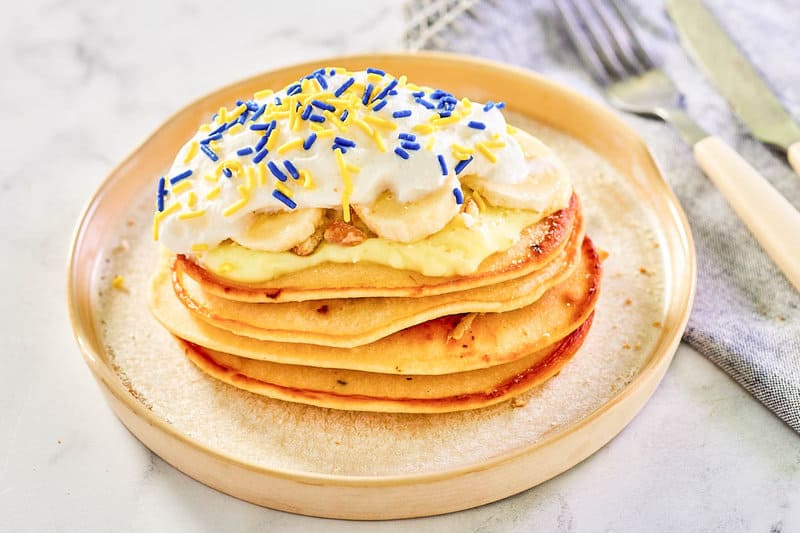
{"x": 402, "y": 113}
{"x": 244, "y": 151}
{"x": 344, "y": 115}
{"x": 162, "y": 192}
{"x": 251, "y": 105}
{"x": 278, "y": 195}
{"x": 488, "y": 105}
{"x": 309, "y": 141}
{"x": 444, "y": 114}
{"x": 212, "y": 137}
{"x": 258, "y": 127}
{"x": 375, "y": 71}
{"x": 291, "y": 168}
{"x": 367, "y": 93}
{"x": 459, "y": 196}
{"x": 258, "y": 113}
{"x": 233, "y": 122}
{"x": 332, "y": 72}
{"x": 393, "y": 92}
{"x": 344, "y": 142}
{"x": 402, "y": 153}
{"x": 410, "y": 145}
{"x": 219, "y": 130}
{"x": 463, "y": 163}
{"x": 407, "y": 137}
{"x": 316, "y": 118}
{"x": 278, "y": 100}
{"x": 294, "y": 89}
{"x": 307, "y": 112}
{"x": 339, "y": 147}
{"x": 438, "y": 93}
{"x": 392, "y": 84}
{"x": 323, "y": 105}
{"x": 425, "y": 103}
{"x": 321, "y": 80}
{"x": 276, "y": 171}
{"x": 243, "y": 117}
{"x": 214, "y": 117}
{"x": 262, "y": 142}
{"x": 346, "y": 85}
{"x": 297, "y": 106}
{"x": 182, "y": 176}
{"x": 260, "y": 155}
{"x": 380, "y": 105}
{"x": 418, "y": 94}
{"x": 227, "y": 172}
{"x": 500, "y": 105}
{"x": 474, "y": 124}
{"x": 209, "y": 152}
{"x": 442, "y": 164}
{"x": 239, "y": 102}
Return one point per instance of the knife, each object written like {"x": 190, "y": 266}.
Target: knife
{"x": 752, "y": 100}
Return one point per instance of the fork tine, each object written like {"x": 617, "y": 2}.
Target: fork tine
{"x": 599, "y": 40}
{"x": 582, "y": 43}
{"x": 620, "y": 40}
{"x": 638, "y": 49}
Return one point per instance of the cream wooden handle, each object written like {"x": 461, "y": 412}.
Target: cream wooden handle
{"x": 793, "y": 154}
{"x": 769, "y": 216}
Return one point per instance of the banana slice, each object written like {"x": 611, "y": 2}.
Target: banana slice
{"x": 546, "y": 187}
{"x": 280, "y": 231}
{"x": 411, "y": 221}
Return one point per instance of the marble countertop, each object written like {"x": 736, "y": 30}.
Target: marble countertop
{"x": 83, "y": 83}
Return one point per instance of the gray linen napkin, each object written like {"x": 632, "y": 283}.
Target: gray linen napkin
{"x": 746, "y": 316}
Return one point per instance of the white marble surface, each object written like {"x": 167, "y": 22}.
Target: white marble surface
{"x": 84, "y": 82}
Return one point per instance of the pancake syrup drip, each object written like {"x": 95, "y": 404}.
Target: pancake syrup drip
{"x": 258, "y": 180}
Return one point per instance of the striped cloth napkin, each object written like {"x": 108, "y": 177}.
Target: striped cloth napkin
{"x": 746, "y": 316}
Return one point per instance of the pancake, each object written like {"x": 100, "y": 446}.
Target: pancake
{"x": 491, "y": 339}
{"x": 363, "y": 391}
{"x": 349, "y": 322}
{"x": 538, "y": 245}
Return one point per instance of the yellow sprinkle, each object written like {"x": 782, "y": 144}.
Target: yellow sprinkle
{"x": 238, "y": 110}
{"x": 261, "y": 170}
{"x": 214, "y": 145}
{"x": 511, "y": 130}
{"x": 354, "y": 169}
{"x": 251, "y": 177}
{"x": 401, "y": 81}
{"x": 308, "y": 182}
{"x": 199, "y": 247}
{"x": 118, "y": 282}
{"x": 158, "y": 217}
{"x": 495, "y": 144}
{"x": 348, "y": 185}
{"x": 210, "y": 178}
{"x": 338, "y": 102}
{"x": 222, "y": 115}
{"x": 225, "y": 267}
{"x": 293, "y": 115}
{"x": 317, "y": 86}
{"x": 263, "y": 94}
{"x": 244, "y": 191}
{"x": 234, "y": 166}
{"x": 282, "y": 187}
{"x": 277, "y": 115}
{"x": 205, "y": 128}
{"x": 333, "y": 119}
{"x": 467, "y": 104}
{"x": 424, "y": 129}
{"x": 231, "y": 209}
{"x": 181, "y": 187}
{"x": 192, "y": 214}
{"x": 325, "y": 133}
{"x": 446, "y": 121}
{"x": 316, "y": 127}
{"x": 291, "y": 145}
{"x": 461, "y": 148}
{"x": 273, "y": 139}
{"x": 156, "y": 220}
{"x": 429, "y": 145}
{"x": 380, "y": 122}
{"x": 479, "y": 200}
{"x": 374, "y": 78}
{"x": 213, "y": 193}
{"x": 376, "y": 136}
{"x": 236, "y": 128}
{"x": 412, "y": 86}
{"x": 482, "y": 148}
{"x": 192, "y": 201}
{"x": 363, "y": 125}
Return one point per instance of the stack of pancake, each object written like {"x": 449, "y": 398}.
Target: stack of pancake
{"x": 363, "y": 336}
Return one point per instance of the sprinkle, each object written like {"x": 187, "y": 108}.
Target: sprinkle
{"x": 380, "y": 122}
{"x": 376, "y": 71}
{"x": 276, "y": 171}
{"x": 191, "y": 152}
{"x": 181, "y": 187}
{"x": 425, "y": 103}
{"x": 511, "y": 130}
{"x": 309, "y": 141}
{"x": 483, "y": 149}
{"x": 474, "y": 124}
{"x": 500, "y": 105}
{"x": 325, "y": 133}
{"x": 417, "y": 94}
{"x": 222, "y": 114}
{"x": 376, "y": 136}
{"x": 442, "y": 164}
{"x": 278, "y": 100}
{"x": 494, "y": 144}
{"x": 158, "y": 217}
{"x": 307, "y": 112}
{"x": 463, "y": 164}
{"x": 408, "y": 145}
{"x": 386, "y": 90}
{"x": 211, "y": 137}
{"x": 344, "y": 115}
{"x": 263, "y": 94}
{"x": 278, "y": 195}
{"x": 367, "y": 93}
{"x": 251, "y": 177}
{"x": 218, "y": 130}
{"x": 213, "y": 193}
{"x": 291, "y": 145}
{"x": 258, "y": 113}
{"x": 344, "y": 142}
{"x": 260, "y": 155}
{"x": 322, "y": 105}
{"x": 231, "y": 209}
{"x": 479, "y": 200}
{"x": 232, "y": 164}
{"x": 261, "y": 174}
{"x": 445, "y": 114}
{"x": 118, "y": 282}
{"x": 199, "y": 247}
{"x": 346, "y": 85}
{"x": 488, "y": 106}
{"x": 308, "y": 182}
{"x": 205, "y": 128}
{"x": 407, "y": 137}
{"x": 437, "y": 94}
{"x": 321, "y": 80}
{"x": 446, "y": 121}
{"x": 261, "y": 143}
{"x": 294, "y": 89}
{"x": 192, "y": 214}
{"x": 227, "y": 172}
{"x": 353, "y": 168}
{"x": 363, "y": 125}
{"x": 247, "y": 150}
{"x": 280, "y": 186}
{"x": 424, "y": 129}
{"x": 291, "y": 168}
{"x": 458, "y": 194}
{"x": 462, "y": 149}
{"x": 402, "y": 153}
{"x": 402, "y": 114}
{"x": 465, "y": 102}
{"x": 162, "y": 192}
{"x": 259, "y": 127}
{"x": 182, "y": 176}
{"x": 210, "y": 178}
{"x": 316, "y": 118}
{"x": 238, "y": 110}
{"x": 334, "y": 120}
{"x": 236, "y": 128}
{"x": 273, "y": 137}
{"x": 348, "y": 186}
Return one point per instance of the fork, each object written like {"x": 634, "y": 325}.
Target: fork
{"x": 610, "y": 50}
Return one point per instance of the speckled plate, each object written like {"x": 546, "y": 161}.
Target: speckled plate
{"x": 372, "y": 465}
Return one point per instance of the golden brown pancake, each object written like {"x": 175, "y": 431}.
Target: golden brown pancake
{"x": 363, "y": 391}
{"x": 538, "y": 245}
{"x": 427, "y": 348}
{"x": 351, "y": 322}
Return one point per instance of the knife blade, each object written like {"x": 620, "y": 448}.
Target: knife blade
{"x": 735, "y": 78}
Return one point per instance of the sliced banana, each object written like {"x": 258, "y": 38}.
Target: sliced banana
{"x": 411, "y": 221}
{"x": 280, "y": 231}
{"x": 547, "y": 186}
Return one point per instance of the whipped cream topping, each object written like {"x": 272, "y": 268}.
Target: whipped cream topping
{"x": 333, "y": 139}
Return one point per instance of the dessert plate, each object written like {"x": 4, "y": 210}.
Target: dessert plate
{"x": 343, "y": 464}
